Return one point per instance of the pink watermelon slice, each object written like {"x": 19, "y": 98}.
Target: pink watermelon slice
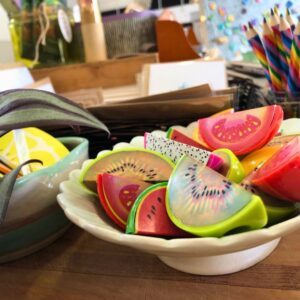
{"x": 148, "y": 215}
{"x": 117, "y": 195}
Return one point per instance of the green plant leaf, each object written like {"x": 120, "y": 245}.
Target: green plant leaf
{"x": 6, "y": 187}
{"x": 25, "y": 107}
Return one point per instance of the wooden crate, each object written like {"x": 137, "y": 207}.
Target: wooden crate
{"x": 104, "y": 74}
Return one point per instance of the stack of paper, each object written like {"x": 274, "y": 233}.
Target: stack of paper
{"x": 17, "y": 76}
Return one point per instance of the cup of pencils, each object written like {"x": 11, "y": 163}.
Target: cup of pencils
{"x": 277, "y": 49}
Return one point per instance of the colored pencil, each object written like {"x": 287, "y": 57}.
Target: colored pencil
{"x": 276, "y": 10}
{"x": 294, "y": 69}
{"x": 290, "y": 20}
{"x": 258, "y": 49}
{"x": 272, "y": 57}
{"x": 4, "y": 169}
{"x": 274, "y": 22}
{"x": 286, "y": 36}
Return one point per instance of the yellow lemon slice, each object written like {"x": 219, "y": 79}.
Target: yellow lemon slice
{"x": 20, "y": 145}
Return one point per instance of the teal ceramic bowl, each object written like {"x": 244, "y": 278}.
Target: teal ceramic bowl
{"x": 34, "y": 219}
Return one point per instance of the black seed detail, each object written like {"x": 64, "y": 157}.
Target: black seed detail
{"x": 149, "y": 217}
{"x": 153, "y": 207}
{"x": 159, "y": 200}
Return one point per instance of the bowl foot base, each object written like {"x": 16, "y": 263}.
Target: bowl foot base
{"x": 221, "y": 264}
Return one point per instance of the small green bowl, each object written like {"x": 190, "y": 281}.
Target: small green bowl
{"x": 34, "y": 219}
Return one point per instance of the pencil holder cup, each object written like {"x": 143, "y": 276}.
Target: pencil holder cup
{"x": 289, "y": 103}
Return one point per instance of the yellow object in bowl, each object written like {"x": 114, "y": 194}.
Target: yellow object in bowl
{"x": 258, "y": 157}
{"x": 20, "y": 145}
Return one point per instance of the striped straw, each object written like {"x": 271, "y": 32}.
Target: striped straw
{"x": 258, "y": 49}
{"x": 274, "y": 22}
{"x": 286, "y": 36}
{"x": 294, "y": 79}
{"x": 289, "y": 19}
{"x": 272, "y": 57}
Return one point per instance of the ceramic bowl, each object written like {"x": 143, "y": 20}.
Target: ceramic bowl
{"x": 34, "y": 219}
{"x": 203, "y": 256}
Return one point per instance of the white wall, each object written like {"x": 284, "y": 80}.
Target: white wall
{"x": 6, "y": 52}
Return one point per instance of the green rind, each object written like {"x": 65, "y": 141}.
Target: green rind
{"x": 93, "y": 162}
{"x": 130, "y": 228}
{"x": 279, "y": 214}
{"x": 236, "y": 171}
{"x": 252, "y": 216}
{"x": 169, "y": 133}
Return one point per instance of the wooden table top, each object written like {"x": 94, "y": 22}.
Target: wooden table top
{"x": 79, "y": 266}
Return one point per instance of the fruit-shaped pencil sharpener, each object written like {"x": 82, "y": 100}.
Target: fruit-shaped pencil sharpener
{"x": 280, "y": 175}
{"x": 232, "y": 168}
{"x": 148, "y": 215}
{"x": 277, "y": 210}
{"x": 205, "y": 203}
{"x": 141, "y": 164}
{"x": 117, "y": 195}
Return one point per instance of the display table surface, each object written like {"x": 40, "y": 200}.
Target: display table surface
{"x": 79, "y": 266}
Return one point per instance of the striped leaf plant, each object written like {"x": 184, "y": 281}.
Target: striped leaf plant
{"x": 34, "y": 108}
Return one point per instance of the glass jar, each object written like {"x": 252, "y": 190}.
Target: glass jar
{"x": 38, "y": 38}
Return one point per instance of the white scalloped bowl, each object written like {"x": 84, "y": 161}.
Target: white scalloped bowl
{"x": 203, "y": 256}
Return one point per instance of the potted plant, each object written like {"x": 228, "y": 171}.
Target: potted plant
{"x": 29, "y": 215}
